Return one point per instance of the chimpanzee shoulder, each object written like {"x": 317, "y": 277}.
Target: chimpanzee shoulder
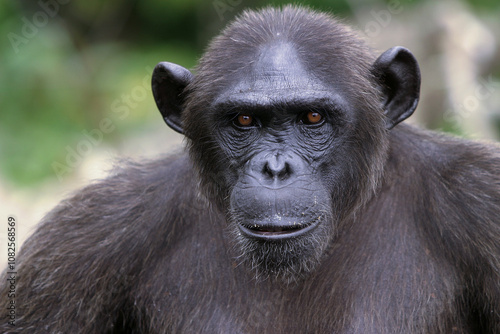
{"x": 452, "y": 185}
{"x": 99, "y": 240}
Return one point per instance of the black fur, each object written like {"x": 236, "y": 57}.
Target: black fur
{"x": 410, "y": 244}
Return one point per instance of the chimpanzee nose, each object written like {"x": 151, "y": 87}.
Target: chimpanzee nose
{"x": 277, "y": 167}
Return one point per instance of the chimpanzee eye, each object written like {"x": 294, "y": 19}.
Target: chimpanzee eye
{"x": 312, "y": 118}
{"x": 244, "y": 120}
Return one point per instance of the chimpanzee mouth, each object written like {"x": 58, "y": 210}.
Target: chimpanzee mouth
{"x": 274, "y": 231}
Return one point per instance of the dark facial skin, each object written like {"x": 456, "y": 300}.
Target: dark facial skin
{"x": 278, "y": 182}
{"x": 277, "y": 140}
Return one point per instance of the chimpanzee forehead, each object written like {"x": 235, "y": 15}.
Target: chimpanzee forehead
{"x": 276, "y": 75}
{"x": 278, "y": 59}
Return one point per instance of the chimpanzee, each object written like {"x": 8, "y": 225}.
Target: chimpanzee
{"x": 301, "y": 205}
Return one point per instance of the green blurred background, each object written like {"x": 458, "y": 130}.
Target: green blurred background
{"x": 67, "y": 65}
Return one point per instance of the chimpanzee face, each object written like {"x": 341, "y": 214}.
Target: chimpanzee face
{"x": 285, "y": 145}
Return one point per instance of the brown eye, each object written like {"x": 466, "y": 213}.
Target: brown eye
{"x": 244, "y": 120}
{"x": 313, "y": 117}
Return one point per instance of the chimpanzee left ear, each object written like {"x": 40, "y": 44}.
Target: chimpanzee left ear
{"x": 399, "y": 77}
{"x": 168, "y": 83}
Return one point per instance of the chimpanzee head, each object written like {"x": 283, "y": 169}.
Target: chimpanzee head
{"x": 287, "y": 121}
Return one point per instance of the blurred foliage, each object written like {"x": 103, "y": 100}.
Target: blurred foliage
{"x": 80, "y": 62}
{"x": 486, "y": 5}
{"x": 61, "y": 82}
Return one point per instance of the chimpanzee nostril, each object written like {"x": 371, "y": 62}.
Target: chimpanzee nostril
{"x": 277, "y": 167}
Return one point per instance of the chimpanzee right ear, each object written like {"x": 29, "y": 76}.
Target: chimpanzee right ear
{"x": 399, "y": 77}
{"x": 168, "y": 83}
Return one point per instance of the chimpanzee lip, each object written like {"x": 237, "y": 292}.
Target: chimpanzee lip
{"x": 268, "y": 231}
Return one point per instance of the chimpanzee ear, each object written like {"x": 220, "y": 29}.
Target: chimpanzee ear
{"x": 168, "y": 82}
{"x": 399, "y": 77}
